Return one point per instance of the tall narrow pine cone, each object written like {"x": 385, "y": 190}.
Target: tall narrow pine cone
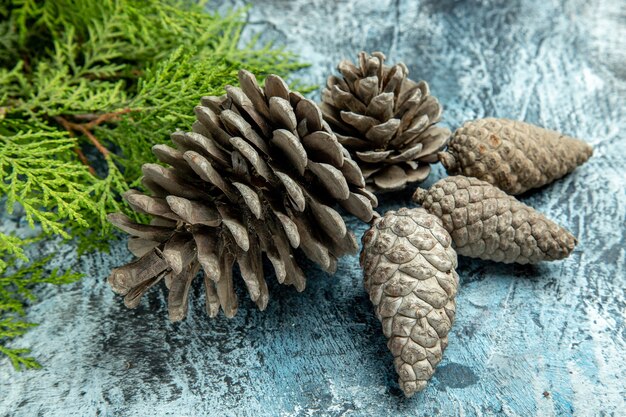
{"x": 408, "y": 265}
{"x": 386, "y": 121}
{"x": 514, "y": 156}
{"x": 487, "y": 223}
{"x": 259, "y": 173}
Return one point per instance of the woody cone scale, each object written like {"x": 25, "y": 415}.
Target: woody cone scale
{"x": 512, "y": 155}
{"x": 259, "y": 174}
{"x": 485, "y": 222}
{"x": 409, "y": 272}
{"x": 386, "y": 121}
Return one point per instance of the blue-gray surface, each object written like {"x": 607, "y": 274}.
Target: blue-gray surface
{"x": 543, "y": 340}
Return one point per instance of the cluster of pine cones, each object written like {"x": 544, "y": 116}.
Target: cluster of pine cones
{"x": 264, "y": 168}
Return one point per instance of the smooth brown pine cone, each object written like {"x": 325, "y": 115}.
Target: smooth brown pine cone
{"x": 409, "y": 273}
{"x": 487, "y": 223}
{"x": 385, "y": 120}
{"x": 259, "y": 174}
{"x": 514, "y": 156}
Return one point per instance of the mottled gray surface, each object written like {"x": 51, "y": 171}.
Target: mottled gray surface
{"x": 544, "y": 340}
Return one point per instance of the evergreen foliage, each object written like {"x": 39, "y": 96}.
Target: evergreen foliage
{"x": 86, "y": 89}
{"x": 15, "y": 291}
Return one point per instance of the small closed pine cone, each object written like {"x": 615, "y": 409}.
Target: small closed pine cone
{"x": 409, "y": 273}
{"x": 512, "y": 155}
{"x": 386, "y": 121}
{"x": 258, "y": 174}
{"x": 487, "y": 223}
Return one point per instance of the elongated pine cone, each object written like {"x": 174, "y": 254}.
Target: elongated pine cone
{"x": 408, "y": 265}
{"x": 487, "y": 223}
{"x": 259, "y": 173}
{"x": 514, "y": 156}
{"x": 386, "y": 121}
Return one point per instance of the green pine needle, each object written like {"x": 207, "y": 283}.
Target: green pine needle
{"x": 12, "y": 247}
{"x": 39, "y": 173}
{"x": 16, "y": 290}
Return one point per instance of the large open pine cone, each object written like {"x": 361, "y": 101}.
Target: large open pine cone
{"x": 386, "y": 121}
{"x": 259, "y": 173}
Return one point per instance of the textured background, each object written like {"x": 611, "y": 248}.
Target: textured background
{"x": 543, "y": 340}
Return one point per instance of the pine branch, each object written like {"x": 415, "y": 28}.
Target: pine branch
{"x": 11, "y": 247}
{"x": 99, "y": 67}
{"x": 86, "y": 89}
{"x": 16, "y": 289}
{"x": 37, "y": 175}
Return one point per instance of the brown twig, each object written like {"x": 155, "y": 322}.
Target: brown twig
{"x": 94, "y": 120}
{"x": 106, "y": 117}
{"x": 85, "y": 128}
{"x": 26, "y": 61}
{"x": 67, "y": 126}
{"x": 84, "y": 160}
{"x": 87, "y": 117}
{"x": 94, "y": 140}
{"x": 82, "y": 128}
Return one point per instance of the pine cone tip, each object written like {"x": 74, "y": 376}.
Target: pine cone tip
{"x": 409, "y": 388}
{"x": 448, "y": 161}
{"x": 419, "y": 195}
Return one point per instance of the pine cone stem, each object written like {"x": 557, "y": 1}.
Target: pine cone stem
{"x": 449, "y": 161}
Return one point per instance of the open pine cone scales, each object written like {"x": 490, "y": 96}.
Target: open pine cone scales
{"x": 259, "y": 173}
{"x": 386, "y": 121}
